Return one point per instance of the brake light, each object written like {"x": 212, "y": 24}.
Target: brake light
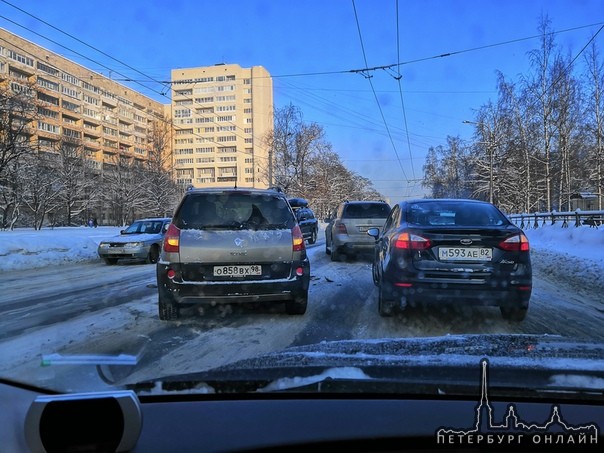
{"x": 172, "y": 239}
{"x": 297, "y": 239}
{"x": 341, "y": 229}
{"x": 516, "y": 243}
{"x": 410, "y": 241}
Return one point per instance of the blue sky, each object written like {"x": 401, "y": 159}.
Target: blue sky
{"x": 313, "y": 49}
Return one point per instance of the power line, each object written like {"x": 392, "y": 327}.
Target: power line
{"x": 80, "y": 41}
{"x": 374, "y": 93}
{"x": 400, "y": 89}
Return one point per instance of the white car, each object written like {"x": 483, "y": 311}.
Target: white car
{"x": 140, "y": 241}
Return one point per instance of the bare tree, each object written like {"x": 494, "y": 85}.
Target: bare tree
{"x": 160, "y": 191}
{"x": 292, "y": 143}
{"x": 42, "y": 197}
{"x": 77, "y": 179}
{"x": 17, "y": 111}
{"x": 447, "y": 171}
{"x": 539, "y": 90}
{"x": 595, "y": 120}
{"x": 123, "y": 189}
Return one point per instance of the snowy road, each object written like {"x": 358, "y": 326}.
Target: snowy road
{"x": 98, "y": 309}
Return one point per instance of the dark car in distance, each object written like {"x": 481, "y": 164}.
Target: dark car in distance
{"x": 306, "y": 219}
{"x": 451, "y": 251}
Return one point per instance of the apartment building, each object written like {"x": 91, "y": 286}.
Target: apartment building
{"x": 111, "y": 120}
{"x": 221, "y": 115}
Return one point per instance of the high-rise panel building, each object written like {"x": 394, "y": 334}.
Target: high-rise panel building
{"x": 221, "y": 116}
{"x": 73, "y": 103}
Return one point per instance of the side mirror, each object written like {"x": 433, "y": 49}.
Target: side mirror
{"x": 122, "y": 231}
{"x": 373, "y": 232}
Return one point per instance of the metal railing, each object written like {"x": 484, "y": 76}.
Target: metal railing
{"x": 579, "y": 218}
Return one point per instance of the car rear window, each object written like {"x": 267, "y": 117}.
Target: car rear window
{"x": 454, "y": 214}
{"x": 366, "y": 211}
{"x": 234, "y": 211}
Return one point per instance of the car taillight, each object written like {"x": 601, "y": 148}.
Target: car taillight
{"x": 341, "y": 229}
{"x": 410, "y": 241}
{"x": 297, "y": 239}
{"x": 516, "y": 243}
{"x": 172, "y": 239}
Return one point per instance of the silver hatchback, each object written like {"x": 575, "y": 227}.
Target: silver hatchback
{"x": 346, "y": 231}
{"x": 233, "y": 246}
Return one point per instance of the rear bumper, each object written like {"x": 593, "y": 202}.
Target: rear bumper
{"x": 423, "y": 294}
{"x": 233, "y": 291}
{"x": 350, "y": 245}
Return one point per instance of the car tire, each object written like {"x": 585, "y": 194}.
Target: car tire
{"x": 168, "y": 310}
{"x": 153, "y": 254}
{"x": 110, "y": 261}
{"x": 335, "y": 254}
{"x": 374, "y": 273}
{"x": 298, "y": 305}
{"x": 313, "y": 237}
{"x": 327, "y": 248}
{"x": 386, "y": 302}
{"x": 515, "y": 314}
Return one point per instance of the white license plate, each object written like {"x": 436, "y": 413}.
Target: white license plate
{"x": 465, "y": 254}
{"x": 363, "y": 229}
{"x": 237, "y": 271}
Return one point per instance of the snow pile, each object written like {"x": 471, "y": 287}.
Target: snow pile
{"x": 27, "y": 248}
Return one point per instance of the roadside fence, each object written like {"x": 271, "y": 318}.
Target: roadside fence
{"x": 577, "y": 218}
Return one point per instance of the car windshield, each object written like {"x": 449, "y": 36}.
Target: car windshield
{"x": 366, "y": 211}
{"x": 454, "y": 213}
{"x": 366, "y": 197}
{"x": 148, "y": 227}
{"x": 233, "y": 211}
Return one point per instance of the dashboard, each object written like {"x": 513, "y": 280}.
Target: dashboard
{"x": 123, "y": 421}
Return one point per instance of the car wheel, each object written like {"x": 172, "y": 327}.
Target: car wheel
{"x": 298, "y": 305}
{"x": 516, "y": 314}
{"x": 374, "y": 273}
{"x": 153, "y": 254}
{"x": 313, "y": 237}
{"x": 386, "y": 303}
{"x": 110, "y": 261}
{"x": 327, "y": 247}
{"x": 168, "y": 310}
{"x": 335, "y": 254}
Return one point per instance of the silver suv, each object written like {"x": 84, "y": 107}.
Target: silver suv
{"x": 233, "y": 246}
{"x": 346, "y": 231}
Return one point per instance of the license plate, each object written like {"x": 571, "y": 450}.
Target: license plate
{"x": 237, "y": 271}
{"x": 363, "y": 229}
{"x": 465, "y": 254}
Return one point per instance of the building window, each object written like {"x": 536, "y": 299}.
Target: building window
{"x": 47, "y": 69}
{"x": 70, "y": 79}
{"x": 48, "y": 127}
{"x": 182, "y": 113}
{"x": 20, "y": 58}
{"x": 48, "y": 99}
{"x": 47, "y": 112}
